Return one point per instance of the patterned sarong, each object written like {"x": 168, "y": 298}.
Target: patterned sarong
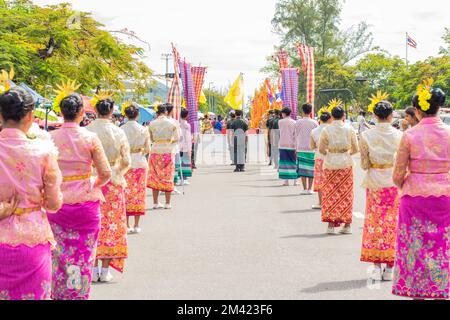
{"x": 288, "y": 165}
{"x": 136, "y": 192}
{"x": 338, "y": 195}
{"x": 319, "y": 179}
{"x": 177, "y": 174}
{"x": 186, "y": 167}
{"x": 112, "y": 242}
{"x": 423, "y": 242}
{"x": 161, "y": 172}
{"x": 305, "y": 164}
{"x": 76, "y": 229}
{"x": 380, "y": 228}
{"x": 25, "y": 273}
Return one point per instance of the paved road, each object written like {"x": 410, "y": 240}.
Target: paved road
{"x": 242, "y": 236}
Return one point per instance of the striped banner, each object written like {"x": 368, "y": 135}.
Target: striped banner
{"x": 290, "y": 90}
{"x": 198, "y": 75}
{"x": 282, "y": 59}
{"x": 308, "y": 64}
{"x": 189, "y": 95}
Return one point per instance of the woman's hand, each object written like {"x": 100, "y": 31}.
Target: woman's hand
{"x": 7, "y": 208}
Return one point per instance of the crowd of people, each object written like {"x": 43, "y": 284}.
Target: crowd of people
{"x": 68, "y": 197}
{"x": 407, "y": 223}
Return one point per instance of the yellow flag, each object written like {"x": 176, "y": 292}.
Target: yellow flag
{"x": 235, "y": 97}
{"x": 202, "y": 98}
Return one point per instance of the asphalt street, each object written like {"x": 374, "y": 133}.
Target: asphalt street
{"x": 243, "y": 236}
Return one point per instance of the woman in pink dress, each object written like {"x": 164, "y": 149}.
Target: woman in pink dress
{"x": 77, "y": 224}
{"x": 28, "y": 168}
{"x": 422, "y": 173}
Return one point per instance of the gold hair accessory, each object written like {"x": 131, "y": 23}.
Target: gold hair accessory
{"x": 125, "y": 105}
{"x": 375, "y": 99}
{"x": 333, "y": 104}
{"x": 101, "y": 96}
{"x": 322, "y": 111}
{"x": 63, "y": 91}
{"x": 424, "y": 93}
{"x": 5, "y": 78}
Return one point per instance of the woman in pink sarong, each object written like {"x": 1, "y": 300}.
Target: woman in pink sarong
{"x": 422, "y": 174}
{"x": 76, "y": 226}
{"x": 29, "y": 168}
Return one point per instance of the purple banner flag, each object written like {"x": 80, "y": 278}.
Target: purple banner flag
{"x": 290, "y": 90}
{"x": 189, "y": 95}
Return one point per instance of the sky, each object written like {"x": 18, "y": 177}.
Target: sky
{"x": 233, "y": 36}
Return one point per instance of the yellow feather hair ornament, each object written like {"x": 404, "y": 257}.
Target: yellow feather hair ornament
{"x": 375, "y": 99}
{"x": 101, "y": 96}
{"x": 333, "y": 104}
{"x": 5, "y": 78}
{"x": 125, "y": 105}
{"x": 63, "y": 91}
{"x": 424, "y": 93}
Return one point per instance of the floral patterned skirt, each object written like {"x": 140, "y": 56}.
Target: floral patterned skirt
{"x": 338, "y": 195}
{"x": 161, "y": 172}
{"x": 76, "y": 228}
{"x": 25, "y": 273}
{"x": 136, "y": 192}
{"x": 423, "y": 248}
{"x": 380, "y": 227}
{"x": 318, "y": 175}
{"x": 112, "y": 242}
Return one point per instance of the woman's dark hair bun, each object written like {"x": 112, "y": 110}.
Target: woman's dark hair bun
{"x": 383, "y": 110}
{"x": 71, "y": 106}
{"x": 15, "y": 104}
{"x": 132, "y": 111}
{"x": 325, "y": 116}
{"x": 104, "y": 107}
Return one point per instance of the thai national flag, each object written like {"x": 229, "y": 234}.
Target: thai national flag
{"x": 270, "y": 91}
{"x": 411, "y": 42}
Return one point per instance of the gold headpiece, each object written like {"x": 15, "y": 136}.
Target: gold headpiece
{"x": 100, "y": 96}
{"x": 424, "y": 93}
{"x": 333, "y": 104}
{"x": 125, "y": 105}
{"x": 5, "y": 78}
{"x": 375, "y": 99}
{"x": 63, "y": 91}
{"x": 322, "y": 111}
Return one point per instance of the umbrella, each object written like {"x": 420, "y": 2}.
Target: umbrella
{"x": 40, "y": 113}
{"x": 35, "y": 95}
{"x": 146, "y": 115}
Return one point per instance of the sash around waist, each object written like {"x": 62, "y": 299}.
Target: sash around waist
{"x": 22, "y": 211}
{"x": 77, "y": 178}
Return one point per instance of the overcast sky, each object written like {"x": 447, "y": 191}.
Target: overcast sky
{"x": 232, "y": 36}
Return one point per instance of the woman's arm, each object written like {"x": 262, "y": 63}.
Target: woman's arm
{"x": 365, "y": 160}
{"x": 53, "y": 198}
{"x": 7, "y": 208}
{"x": 323, "y": 143}
{"x": 402, "y": 162}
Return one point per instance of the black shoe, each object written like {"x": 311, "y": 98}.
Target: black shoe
{"x": 236, "y": 170}
{"x": 270, "y": 163}
{"x": 242, "y": 170}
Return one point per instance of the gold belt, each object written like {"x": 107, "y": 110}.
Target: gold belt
{"x": 22, "y": 211}
{"x": 163, "y": 141}
{"x": 77, "y": 178}
{"x": 381, "y": 166}
{"x": 337, "y": 150}
{"x": 137, "y": 150}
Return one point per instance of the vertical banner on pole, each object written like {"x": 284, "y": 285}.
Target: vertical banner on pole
{"x": 198, "y": 76}
{"x": 189, "y": 95}
{"x": 175, "y": 91}
{"x": 290, "y": 90}
{"x": 308, "y": 64}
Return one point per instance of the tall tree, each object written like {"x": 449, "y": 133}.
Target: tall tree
{"x": 48, "y": 44}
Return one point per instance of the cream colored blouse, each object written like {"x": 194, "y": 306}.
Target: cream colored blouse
{"x": 378, "y": 150}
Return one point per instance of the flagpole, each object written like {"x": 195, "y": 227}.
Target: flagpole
{"x": 407, "y": 63}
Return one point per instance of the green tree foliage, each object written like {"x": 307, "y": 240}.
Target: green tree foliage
{"x": 347, "y": 58}
{"x": 47, "y": 45}
{"x": 214, "y": 102}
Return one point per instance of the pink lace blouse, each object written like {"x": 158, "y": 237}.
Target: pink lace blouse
{"x": 28, "y": 167}
{"x": 79, "y": 149}
{"x": 423, "y": 160}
